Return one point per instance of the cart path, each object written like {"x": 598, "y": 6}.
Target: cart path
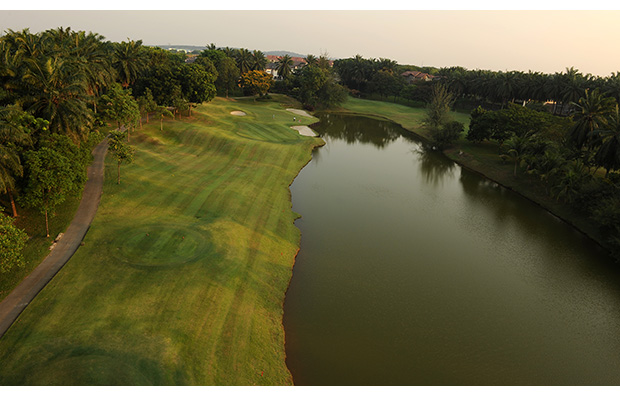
{"x": 12, "y": 306}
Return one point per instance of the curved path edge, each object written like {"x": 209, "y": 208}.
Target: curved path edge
{"x": 13, "y": 305}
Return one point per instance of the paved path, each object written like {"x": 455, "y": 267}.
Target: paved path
{"x": 12, "y": 306}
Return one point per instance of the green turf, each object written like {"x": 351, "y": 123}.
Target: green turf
{"x": 408, "y": 117}
{"x": 183, "y": 273}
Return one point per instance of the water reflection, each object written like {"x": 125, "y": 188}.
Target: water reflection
{"x": 352, "y": 129}
{"x": 414, "y": 271}
{"x": 433, "y": 166}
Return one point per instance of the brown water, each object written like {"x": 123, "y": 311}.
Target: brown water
{"x": 414, "y": 271}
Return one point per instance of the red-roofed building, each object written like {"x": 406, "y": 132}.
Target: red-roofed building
{"x": 414, "y": 76}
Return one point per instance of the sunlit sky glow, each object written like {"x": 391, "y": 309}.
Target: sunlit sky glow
{"x": 547, "y": 41}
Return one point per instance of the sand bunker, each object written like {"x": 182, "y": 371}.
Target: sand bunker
{"x": 304, "y": 131}
{"x": 239, "y": 113}
{"x": 299, "y": 112}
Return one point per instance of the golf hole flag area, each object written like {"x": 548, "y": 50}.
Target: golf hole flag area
{"x": 183, "y": 273}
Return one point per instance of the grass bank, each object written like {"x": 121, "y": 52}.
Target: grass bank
{"x": 409, "y": 118}
{"x": 482, "y": 158}
{"x": 183, "y": 272}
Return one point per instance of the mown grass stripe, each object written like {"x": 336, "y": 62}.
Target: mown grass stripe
{"x": 128, "y": 309}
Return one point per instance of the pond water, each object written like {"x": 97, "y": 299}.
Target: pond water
{"x": 415, "y": 271}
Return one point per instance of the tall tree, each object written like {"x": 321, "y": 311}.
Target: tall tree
{"x": 129, "y": 61}
{"x": 197, "y": 84}
{"x": 120, "y": 150}
{"x": 592, "y": 111}
{"x": 49, "y": 181}
{"x": 311, "y": 60}
{"x": 608, "y": 142}
{"x": 359, "y": 71}
{"x": 516, "y": 147}
{"x": 257, "y": 81}
{"x": 146, "y": 104}
{"x": 93, "y": 56}
{"x": 259, "y": 61}
{"x": 244, "y": 60}
{"x": 572, "y": 87}
{"x": 17, "y": 129}
{"x": 323, "y": 61}
{"x": 227, "y": 75}
{"x": 438, "y": 110}
{"x": 284, "y": 66}
{"x": 121, "y": 107}
{"x": 56, "y": 91}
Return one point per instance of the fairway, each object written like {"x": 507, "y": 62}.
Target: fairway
{"x": 183, "y": 273}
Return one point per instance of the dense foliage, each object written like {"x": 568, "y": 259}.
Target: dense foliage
{"x": 564, "y": 153}
{"x": 59, "y": 87}
{"x": 120, "y": 150}
{"x": 12, "y": 241}
{"x": 256, "y": 81}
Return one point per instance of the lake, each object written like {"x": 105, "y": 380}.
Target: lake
{"x": 415, "y": 271}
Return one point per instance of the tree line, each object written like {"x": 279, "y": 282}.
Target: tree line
{"x": 562, "y": 129}
{"x": 58, "y": 89}
{"x": 566, "y": 154}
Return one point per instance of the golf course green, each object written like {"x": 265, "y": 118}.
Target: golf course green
{"x": 182, "y": 275}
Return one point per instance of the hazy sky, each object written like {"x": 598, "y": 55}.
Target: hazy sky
{"x": 546, "y": 41}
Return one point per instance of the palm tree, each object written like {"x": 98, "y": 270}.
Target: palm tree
{"x": 323, "y": 61}
{"x": 387, "y": 65}
{"x": 259, "y": 61}
{"x": 516, "y": 147}
{"x": 94, "y": 59}
{"x": 592, "y": 111}
{"x": 504, "y": 86}
{"x": 284, "y": 65}
{"x": 11, "y": 135}
{"x": 57, "y": 92}
{"x": 611, "y": 86}
{"x": 571, "y": 178}
{"x": 358, "y": 70}
{"x": 311, "y": 60}
{"x": 455, "y": 80}
{"x": 608, "y": 140}
{"x": 230, "y": 52}
{"x": 244, "y": 60}
{"x": 128, "y": 61}
{"x": 28, "y": 44}
{"x": 554, "y": 91}
{"x": 573, "y": 83}
{"x": 547, "y": 165}
{"x": 10, "y": 169}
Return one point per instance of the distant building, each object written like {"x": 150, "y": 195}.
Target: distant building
{"x": 271, "y": 68}
{"x": 415, "y": 76}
